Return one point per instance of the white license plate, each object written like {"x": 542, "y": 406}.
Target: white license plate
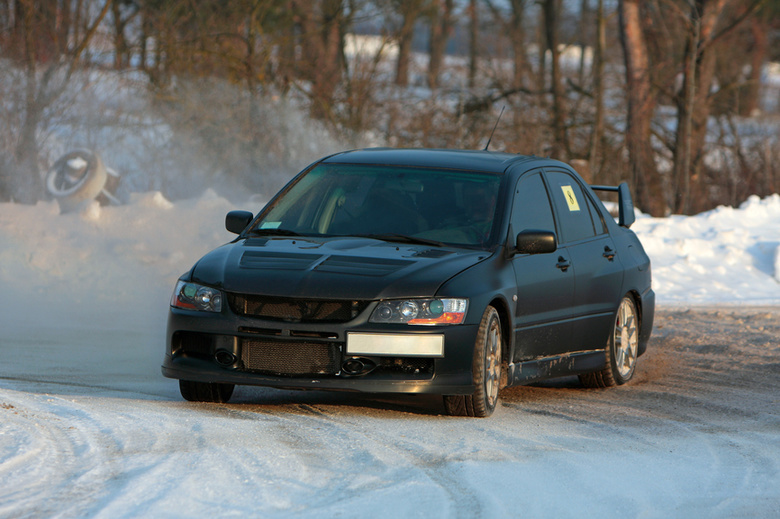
{"x": 395, "y": 344}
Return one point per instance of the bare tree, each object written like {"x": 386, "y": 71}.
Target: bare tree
{"x": 515, "y": 31}
{"x": 641, "y": 107}
{"x": 473, "y": 42}
{"x": 694, "y": 101}
{"x": 441, "y": 25}
{"x": 48, "y": 43}
{"x": 597, "y": 134}
{"x": 323, "y": 25}
{"x": 560, "y": 145}
{"x": 123, "y": 12}
{"x": 410, "y": 12}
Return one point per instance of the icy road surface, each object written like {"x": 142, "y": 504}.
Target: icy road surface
{"x": 96, "y": 434}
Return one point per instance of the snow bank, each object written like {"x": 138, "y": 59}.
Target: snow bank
{"x": 726, "y": 255}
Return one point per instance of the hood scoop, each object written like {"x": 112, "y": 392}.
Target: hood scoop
{"x": 432, "y": 253}
{"x": 361, "y": 266}
{"x": 255, "y": 242}
{"x": 277, "y": 260}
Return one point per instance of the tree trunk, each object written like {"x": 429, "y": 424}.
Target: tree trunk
{"x": 517, "y": 36}
{"x": 597, "y": 134}
{"x": 641, "y": 105}
{"x": 560, "y": 145}
{"x": 694, "y": 104}
{"x": 323, "y": 28}
{"x": 473, "y": 42}
{"x": 759, "y": 31}
{"x": 441, "y": 23}
{"x": 410, "y": 13}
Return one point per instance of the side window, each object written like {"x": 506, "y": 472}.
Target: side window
{"x": 572, "y": 206}
{"x": 531, "y": 208}
{"x": 598, "y": 223}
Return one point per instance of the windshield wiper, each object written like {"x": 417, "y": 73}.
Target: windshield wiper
{"x": 402, "y": 238}
{"x": 274, "y": 232}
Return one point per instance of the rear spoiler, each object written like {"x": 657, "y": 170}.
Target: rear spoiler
{"x": 626, "y": 214}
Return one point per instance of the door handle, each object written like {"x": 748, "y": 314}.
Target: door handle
{"x": 609, "y": 253}
{"x": 563, "y": 263}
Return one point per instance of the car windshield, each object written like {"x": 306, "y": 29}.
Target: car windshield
{"x": 413, "y": 205}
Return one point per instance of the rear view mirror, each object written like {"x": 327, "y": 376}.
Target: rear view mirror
{"x": 236, "y": 221}
{"x": 532, "y": 241}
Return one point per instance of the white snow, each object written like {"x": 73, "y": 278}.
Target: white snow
{"x": 90, "y": 428}
{"x": 723, "y": 256}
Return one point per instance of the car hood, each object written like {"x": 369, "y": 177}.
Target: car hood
{"x": 333, "y": 268}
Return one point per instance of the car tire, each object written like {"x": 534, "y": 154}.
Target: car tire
{"x": 205, "y": 391}
{"x": 486, "y": 371}
{"x": 621, "y": 351}
{"x": 73, "y": 192}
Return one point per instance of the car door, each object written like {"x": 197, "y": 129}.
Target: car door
{"x": 545, "y": 282}
{"x": 598, "y": 272}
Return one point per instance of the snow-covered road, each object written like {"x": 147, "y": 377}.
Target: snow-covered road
{"x": 697, "y": 434}
{"x": 89, "y": 427}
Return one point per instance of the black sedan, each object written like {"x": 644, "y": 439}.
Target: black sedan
{"x": 417, "y": 271}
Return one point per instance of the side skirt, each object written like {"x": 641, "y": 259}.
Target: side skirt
{"x": 563, "y": 365}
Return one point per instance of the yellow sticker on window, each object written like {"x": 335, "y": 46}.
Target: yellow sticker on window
{"x": 571, "y": 198}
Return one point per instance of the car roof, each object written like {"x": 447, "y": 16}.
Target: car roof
{"x": 474, "y": 160}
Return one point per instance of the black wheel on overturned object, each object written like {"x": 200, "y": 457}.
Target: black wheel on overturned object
{"x": 205, "y": 391}
{"x": 621, "y": 351}
{"x": 486, "y": 371}
{"x": 75, "y": 178}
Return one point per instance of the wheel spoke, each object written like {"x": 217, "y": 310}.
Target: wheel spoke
{"x": 492, "y": 363}
{"x": 625, "y": 339}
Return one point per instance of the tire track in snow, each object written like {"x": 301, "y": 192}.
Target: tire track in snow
{"x": 49, "y": 453}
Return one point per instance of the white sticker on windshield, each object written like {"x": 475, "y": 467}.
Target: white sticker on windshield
{"x": 571, "y": 198}
{"x": 270, "y": 225}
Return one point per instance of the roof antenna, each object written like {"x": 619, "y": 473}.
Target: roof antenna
{"x": 494, "y": 128}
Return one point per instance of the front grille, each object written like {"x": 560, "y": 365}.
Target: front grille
{"x": 295, "y": 310}
{"x": 290, "y": 358}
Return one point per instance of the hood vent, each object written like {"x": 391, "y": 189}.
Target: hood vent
{"x": 360, "y": 266}
{"x": 432, "y": 253}
{"x": 277, "y": 260}
{"x": 255, "y": 242}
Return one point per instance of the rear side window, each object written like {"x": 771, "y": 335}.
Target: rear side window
{"x": 531, "y": 207}
{"x": 574, "y": 211}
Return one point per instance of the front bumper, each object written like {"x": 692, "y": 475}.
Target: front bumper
{"x": 231, "y": 349}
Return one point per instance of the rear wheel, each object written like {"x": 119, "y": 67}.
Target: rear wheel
{"x": 621, "y": 351}
{"x": 205, "y": 391}
{"x": 486, "y": 371}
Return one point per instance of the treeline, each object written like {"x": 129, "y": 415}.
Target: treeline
{"x": 655, "y": 92}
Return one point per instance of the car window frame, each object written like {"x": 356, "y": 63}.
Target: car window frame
{"x": 563, "y": 239}
{"x": 515, "y": 194}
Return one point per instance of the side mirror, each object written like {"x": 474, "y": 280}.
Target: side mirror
{"x": 532, "y": 241}
{"x": 236, "y": 221}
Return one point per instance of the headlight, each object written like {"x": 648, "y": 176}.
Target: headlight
{"x": 192, "y": 296}
{"x": 421, "y": 311}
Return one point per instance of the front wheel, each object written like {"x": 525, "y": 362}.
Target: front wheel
{"x": 486, "y": 371}
{"x": 205, "y": 391}
{"x": 621, "y": 351}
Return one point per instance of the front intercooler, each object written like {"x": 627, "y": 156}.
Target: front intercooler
{"x": 290, "y": 358}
